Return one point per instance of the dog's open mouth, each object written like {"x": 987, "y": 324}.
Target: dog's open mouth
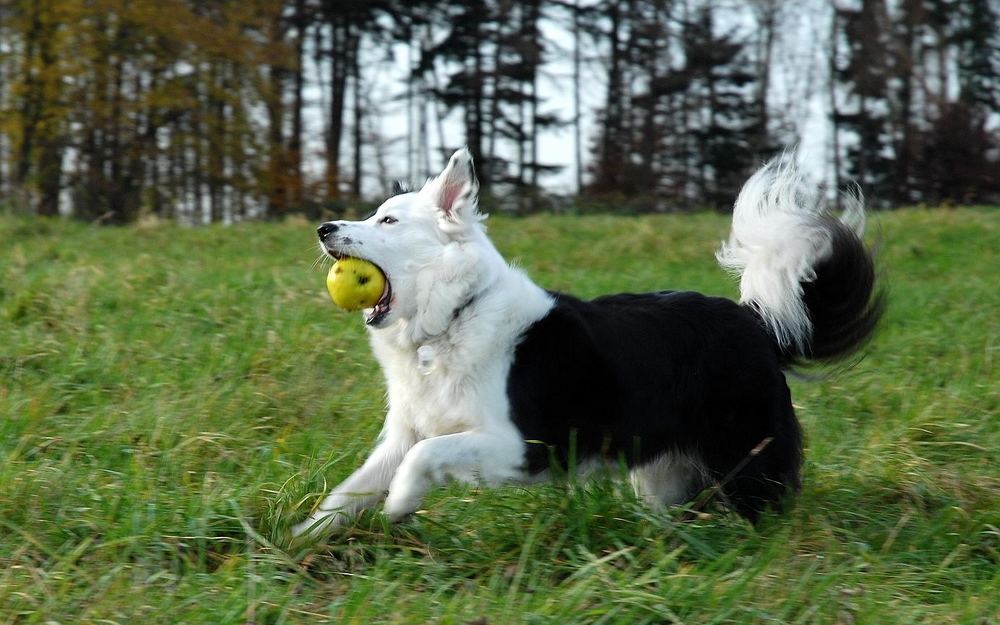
{"x": 381, "y": 308}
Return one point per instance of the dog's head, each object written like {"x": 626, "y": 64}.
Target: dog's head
{"x": 430, "y": 244}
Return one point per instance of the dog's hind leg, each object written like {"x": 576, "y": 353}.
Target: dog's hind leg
{"x": 477, "y": 457}
{"x": 667, "y": 480}
{"x": 362, "y": 489}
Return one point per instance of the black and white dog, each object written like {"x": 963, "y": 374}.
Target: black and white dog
{"x": 492, "y": 379}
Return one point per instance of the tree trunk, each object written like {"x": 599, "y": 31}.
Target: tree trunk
{"x": 577, "y": 113}
{"x": 534, "y": 46}
{"x": 117, "y": 210}
{"x": 296, "y": 190}
{"x": 50, "y": 141}
{"x": 358, "y": 114}
{"x": 609, "y": 159}
{"x": 498, "y": 48}
{"x": 31, "y": 104}
{"x": 216, "y": 141}
{"x": 474, "y": 132}
{"x": 834, "y": 113}
{"x": 276, "y": 188}
{"x": 906, "y": 63}
{"x": 343, "y": 45}
{"x": 767, "y": 21}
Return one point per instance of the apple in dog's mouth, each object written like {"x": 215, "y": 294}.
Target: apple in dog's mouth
{"x": 356, "y": 284}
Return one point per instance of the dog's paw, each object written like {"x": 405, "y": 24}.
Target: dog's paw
{"x": 304, "y": 529}
{"x": 317, "y": 526}
{"x": 398, "y": 508}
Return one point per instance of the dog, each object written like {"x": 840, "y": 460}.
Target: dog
{"x": 492, "y": 379}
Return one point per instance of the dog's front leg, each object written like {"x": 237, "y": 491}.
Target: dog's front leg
{"x": 482, "y": 457}
{"x": 362, "y": 489}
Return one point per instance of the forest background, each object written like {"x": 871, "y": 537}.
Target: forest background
{"x": 112, "y": 110}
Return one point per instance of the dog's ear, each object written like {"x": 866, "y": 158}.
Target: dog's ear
{"x": 455, "y": 192}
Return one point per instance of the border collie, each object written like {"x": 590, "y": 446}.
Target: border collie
{"x": 492, "y": 379}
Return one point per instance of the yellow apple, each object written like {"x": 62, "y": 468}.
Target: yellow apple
{"x": 355, "y": 284}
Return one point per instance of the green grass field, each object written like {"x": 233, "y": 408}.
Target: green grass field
{"x": 172, "y": 399}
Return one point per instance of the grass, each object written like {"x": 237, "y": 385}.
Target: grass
{"x": 172, "y": 399}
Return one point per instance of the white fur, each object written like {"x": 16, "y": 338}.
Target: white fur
{"x": 666, "y": 480}
{"x": 776, "y": 241}
{"x": 446, "y": 348}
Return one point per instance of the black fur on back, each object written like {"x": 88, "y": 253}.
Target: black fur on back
{"x": 632, "y": 376}
{"x": 844, "y": 301}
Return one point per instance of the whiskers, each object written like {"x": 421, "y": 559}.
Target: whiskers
{"x": 322, "y": 261}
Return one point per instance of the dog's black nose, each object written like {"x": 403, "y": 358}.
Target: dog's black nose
{"x": 326, "y": 230}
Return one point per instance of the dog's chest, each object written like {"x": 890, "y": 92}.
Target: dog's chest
{"x": 443, "y": 392}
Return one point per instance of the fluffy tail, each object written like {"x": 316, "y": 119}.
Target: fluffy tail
{"x": 805, "y": 272}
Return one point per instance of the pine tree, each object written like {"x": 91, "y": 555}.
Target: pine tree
{"x": 689, "y": 129}
{"x": 959, "y": 161}
{"x": 866, "y": 76}
{"x": 724, "y": 85}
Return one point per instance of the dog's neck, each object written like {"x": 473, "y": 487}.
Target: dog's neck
{"x": 409, "y": 335}
{"x": 505, "y": 296}
{"x": 498, "y": 302}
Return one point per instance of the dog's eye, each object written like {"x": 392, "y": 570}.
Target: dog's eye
{"x": 388, "y": 220}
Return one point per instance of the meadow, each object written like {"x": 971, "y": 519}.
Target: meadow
{"x": 172, "y": 399}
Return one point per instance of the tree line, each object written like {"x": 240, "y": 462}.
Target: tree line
{"x": 194, "y": 110}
